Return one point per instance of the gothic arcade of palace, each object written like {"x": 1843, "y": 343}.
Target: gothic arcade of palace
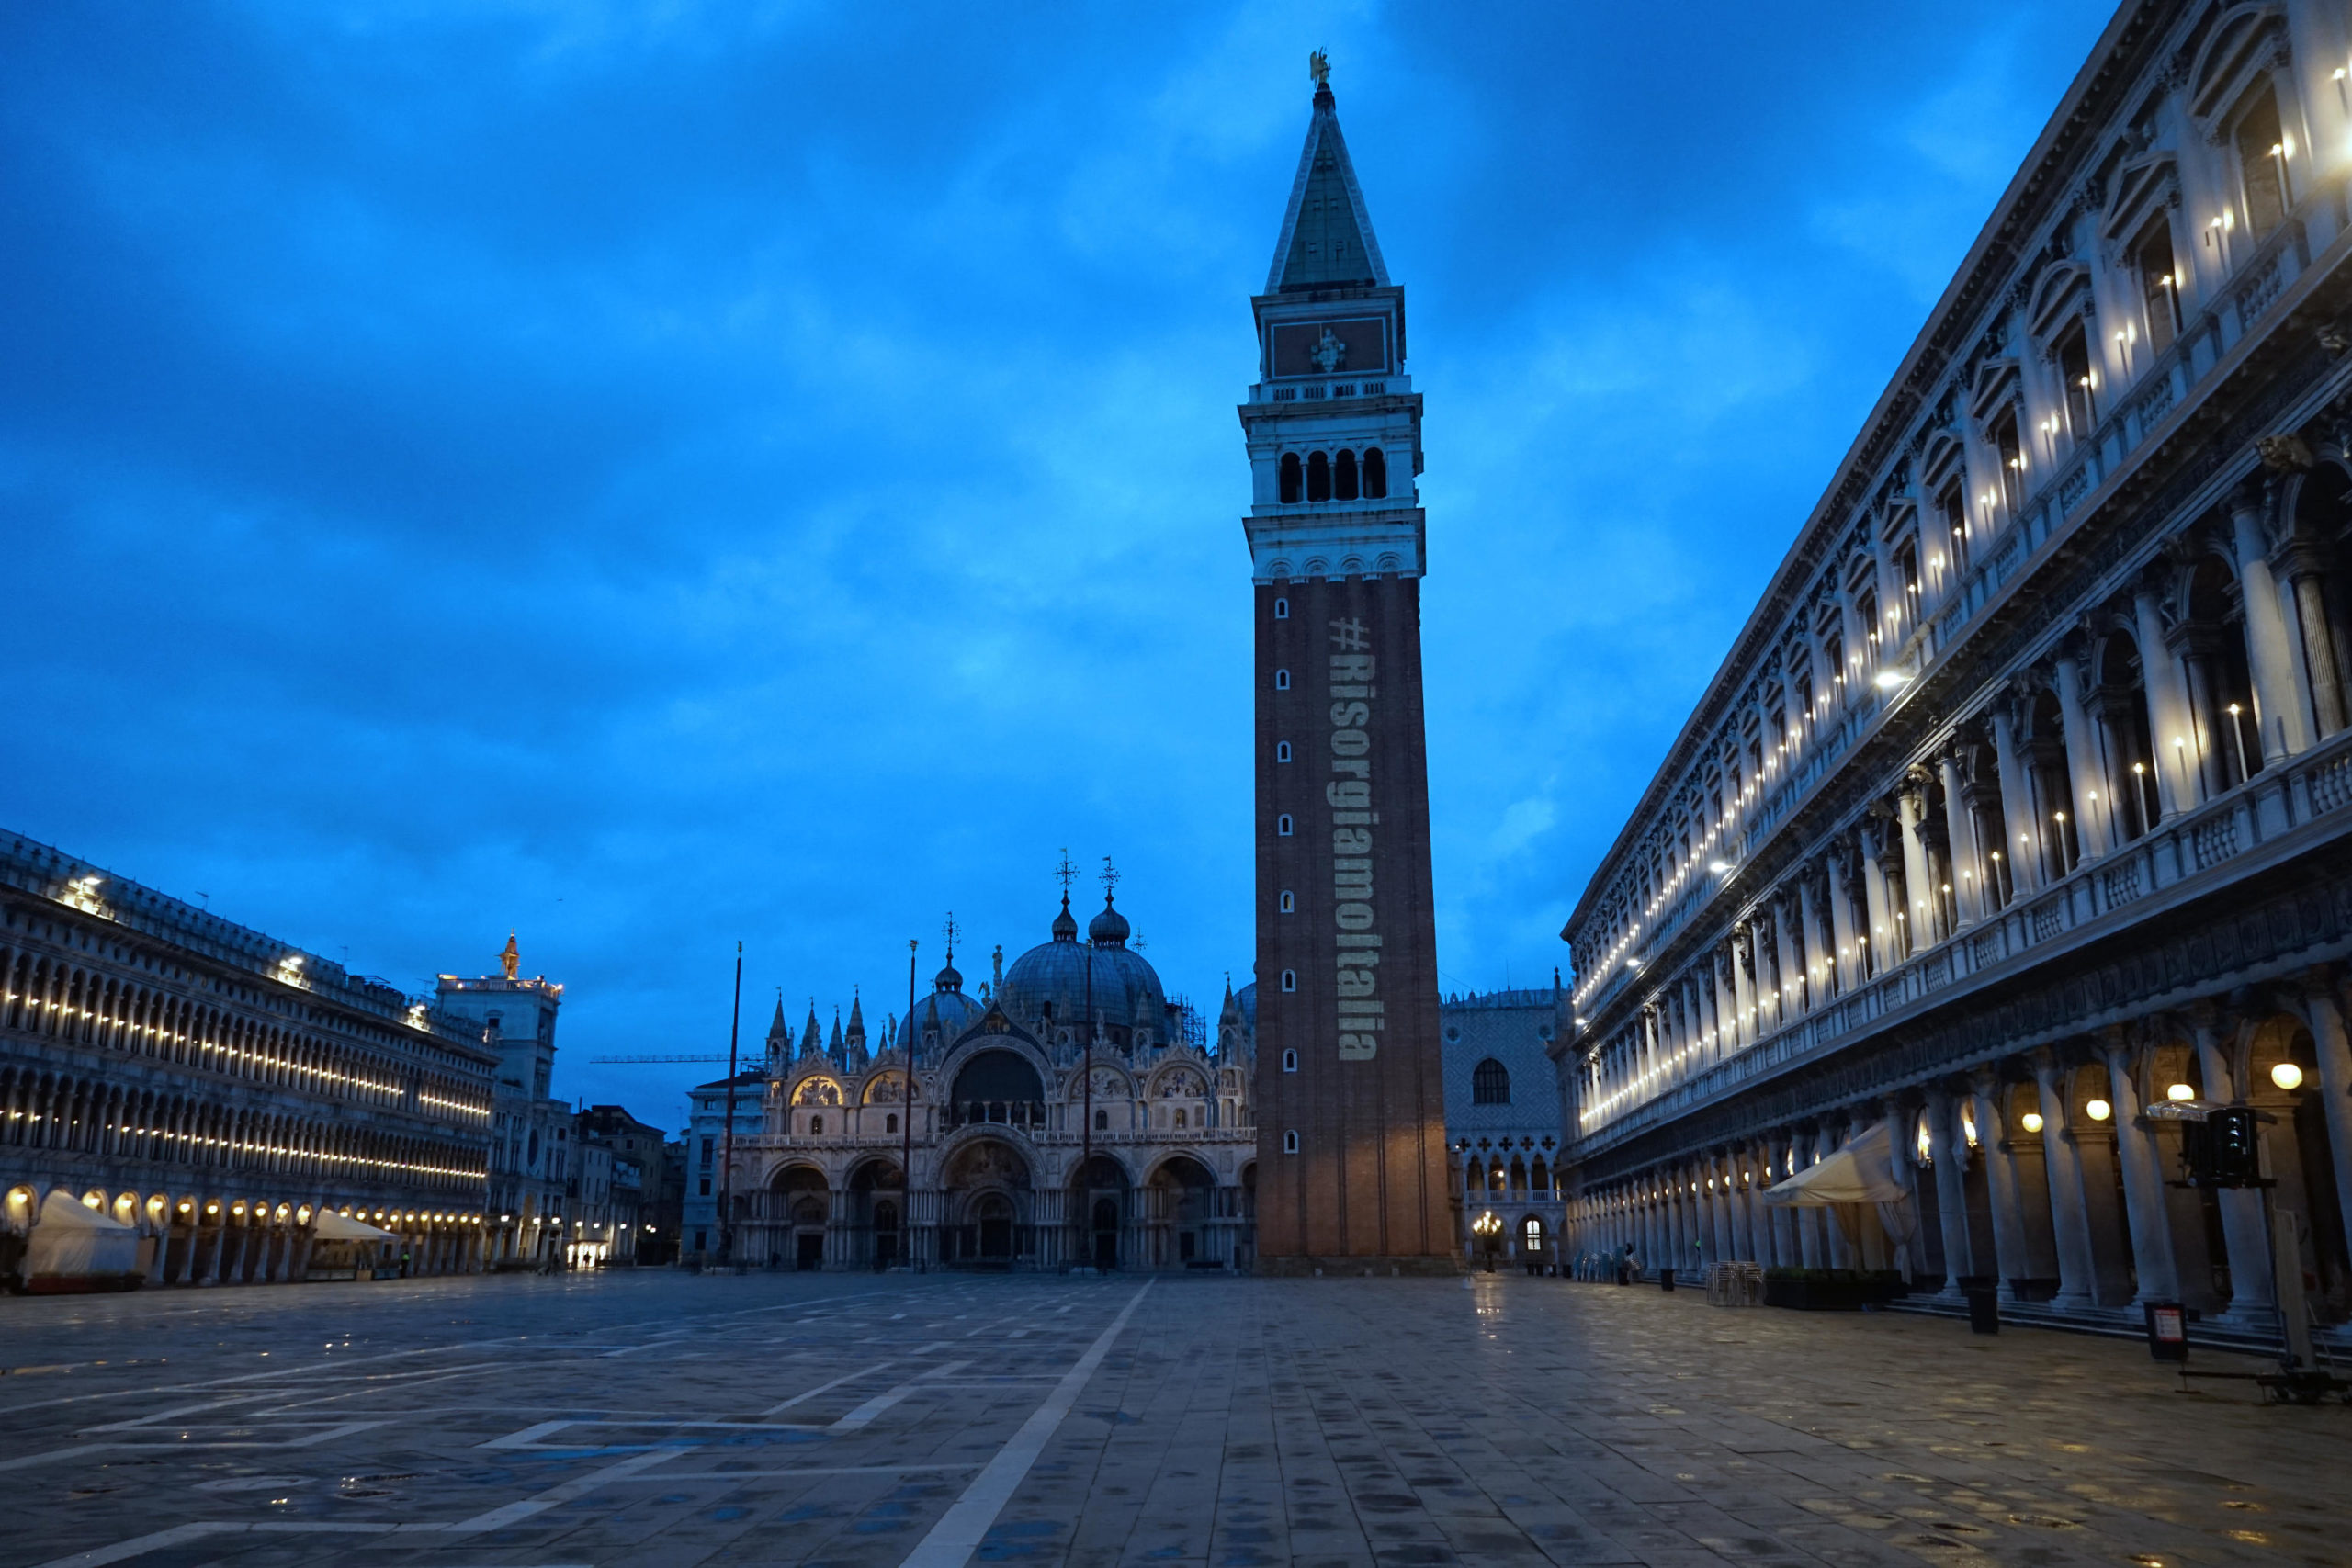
{"x": 2023, "y": 802}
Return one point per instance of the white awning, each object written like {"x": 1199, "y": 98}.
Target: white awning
{"x": 331, "y": 1226}
{"x": 1859, "y": 1173}
{"x": 73, "y": 1241}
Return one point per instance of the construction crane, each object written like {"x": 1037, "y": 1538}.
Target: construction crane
{"x": 654, "y": 1061}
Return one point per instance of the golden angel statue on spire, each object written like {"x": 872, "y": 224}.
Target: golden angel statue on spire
{"x": 1318, "y": 66}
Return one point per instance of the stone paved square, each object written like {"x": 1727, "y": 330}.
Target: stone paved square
{"x": 668, "y": 1420}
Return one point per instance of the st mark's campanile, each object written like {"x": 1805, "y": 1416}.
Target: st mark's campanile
{"x": 1352, "y": 1172}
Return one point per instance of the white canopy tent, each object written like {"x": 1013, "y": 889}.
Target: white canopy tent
{"x": 75, "y": 1248}
{"x": 331, "y": 1226}
{"x": 1862, "y": 1172}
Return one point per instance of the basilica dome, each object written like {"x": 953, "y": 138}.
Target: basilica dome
{"x": 1062, "y": 973}
{"x": 956, "y": 1013}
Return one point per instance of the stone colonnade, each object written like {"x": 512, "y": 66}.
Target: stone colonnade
{"x": 2042, "y": 1172}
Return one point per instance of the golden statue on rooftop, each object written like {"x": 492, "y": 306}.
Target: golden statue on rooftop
{"x": 511, "y": 960}
{"x": 1318, "y": 66}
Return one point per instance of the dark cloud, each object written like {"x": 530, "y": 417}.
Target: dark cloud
{"x": 653, "y": 477}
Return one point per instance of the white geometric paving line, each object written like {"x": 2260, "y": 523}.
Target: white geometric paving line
{"x": 495, "y": 1518}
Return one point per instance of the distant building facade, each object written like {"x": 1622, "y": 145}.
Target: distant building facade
{"x": 1073, "y": 1119}
{"x": 645, "y": 1174}
{"x": 531, "y": 1167}
{"x": 216, "y": 1088}
{"x": 706, "y": 1148}
{"x": 2023, "y": 802}
{"x": 1502, "y": 1120}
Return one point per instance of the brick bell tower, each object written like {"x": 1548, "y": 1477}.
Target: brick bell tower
{"x": 1351, "y": 1104}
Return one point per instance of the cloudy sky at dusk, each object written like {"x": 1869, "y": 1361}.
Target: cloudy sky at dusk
{"x": 652, "y": 477}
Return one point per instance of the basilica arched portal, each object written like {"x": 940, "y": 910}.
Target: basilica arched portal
{"x": 990, "y": 1219}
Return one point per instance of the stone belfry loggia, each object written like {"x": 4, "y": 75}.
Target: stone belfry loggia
{"x": 1351, "y": 1168}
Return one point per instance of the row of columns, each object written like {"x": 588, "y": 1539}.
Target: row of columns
{"x": 2039, "y": 1172}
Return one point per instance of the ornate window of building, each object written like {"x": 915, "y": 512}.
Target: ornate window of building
{"x": 1319, "y": 477}
{"x": 2011, "y": 454}
{"x": 1490, "y": 1083}
{"x": 1375, "y": 475}
{"x": 1343, "y": 475}
{"x": 2152, "y": 261}
{"x": 2262, "y": 152}
{"x": 1290, "y": 492}
{"x": 2080, "y": 383}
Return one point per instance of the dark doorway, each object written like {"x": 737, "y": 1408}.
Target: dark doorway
{"x": 811, "y": 1253}
{"x": 996, "y": 1227}
{"x": 1106, "y": 1233}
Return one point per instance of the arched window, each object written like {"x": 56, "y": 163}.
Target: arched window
{"x": 1319, "y": 477}
{"x": 816, "y": 1126}
{"x": 890, "y": 1122}
{"x": 1290, "y": 980}
{"x": 1290, "y": 1143}
{"x": 1281, "y": 826}
{"x": 1102, "y": 1121}
{"x": 1179, "y": 1119}
{"x": 1290, "y": 477}
{"x": 1290, "y": 901}
{"x": 1375, "y": 474}
{"x": 1282, "y": 751}
{"x": 1290, "y": 1061}
{"x": 1282, "y": 609}
{"x": 1490, "y": 1083}
{"x": 1542, "y": 1180}
{"x": 1282, "y": 680}
{"x": 1343, "y": 476}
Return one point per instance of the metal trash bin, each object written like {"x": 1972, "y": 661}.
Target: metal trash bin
{"x": 1984, "y": 1310}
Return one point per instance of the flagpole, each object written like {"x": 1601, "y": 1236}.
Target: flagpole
{"x": 907, "y": 1037}
{"x": 727, "y": 1167}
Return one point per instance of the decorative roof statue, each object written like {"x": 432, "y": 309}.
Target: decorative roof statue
{"x": 511, "y": 960}
{"x": 1318, "y": 66}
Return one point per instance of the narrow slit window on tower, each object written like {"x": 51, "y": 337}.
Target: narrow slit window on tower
{"x": 1290, "y": 1143}
{"x": 1289, "y": 902}
{"x": 1281, "y": 826}
{"x": 1282, "y": 680}
{"x": 1290, "y": 1061}
{"x": 1290, "y": 477}
{"x": 1375, "y": 474}
{"x": 1319, "y": 477}
{"x": 1282, "y": 609}
{"x": 1282, "y": 751}
{"x": 1343, "y": 475}
{"x": 1290, "y": 980}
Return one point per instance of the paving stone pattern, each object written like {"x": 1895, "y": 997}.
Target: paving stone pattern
{"x": 667, "y": 1420}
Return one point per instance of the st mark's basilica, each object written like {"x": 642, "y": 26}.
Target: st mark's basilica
{"x": 1068, "y": 1117}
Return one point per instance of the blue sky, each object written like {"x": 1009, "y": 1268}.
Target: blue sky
{"x": 653, "y": 476}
